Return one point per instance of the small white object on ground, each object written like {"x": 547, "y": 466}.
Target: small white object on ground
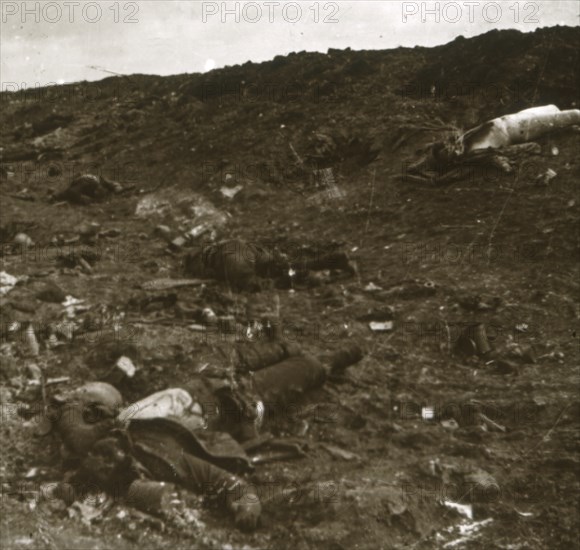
{"x": 126, "y": 365}
{"x": 231, "y": 192}
{"x": 385, "y": 326}
{"x": 7, "y": 283}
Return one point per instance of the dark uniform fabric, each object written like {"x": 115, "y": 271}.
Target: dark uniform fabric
{"x": 172, "y": 453}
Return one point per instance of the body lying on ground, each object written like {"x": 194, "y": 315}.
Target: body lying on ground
{"x": 498, "y": 145}
{"x": 517, "y": 128}
{"x": 164, "y": 436}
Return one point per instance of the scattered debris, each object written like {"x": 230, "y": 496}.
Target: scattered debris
{"x": 110, "y": 233}
{"x": 152, "y": 497}
{"x": 468, "y": 532}
{"x": 464, "y": 509}
{"x": 505, "y": 366}
{"x": 73, "y": 306}
{"x": 524, "y": 514}
{"x": 231, "y": 192}
{"x": 546, "y": 177}
{"x": 126, "y": 365}
{"x": 33, "y": 347}
{"x": 191, "y": 213}
{"x": 371, "y": 287}
{"x": 473, "y": 341}
{"x": 88, "y": 231}
{"x": 123, "y": 369}
{"x": 337, "y": 452}
{"x": 7, "y": 283}
{"x": 380, "y": 314}
{"x": 385, "y": 326}
{"x": 491, "y": 425}
{"x": 483, "y": 483}
{"x": 443, "y": 164}
{"x": 22, "y": 239}
{"x": 178, "y": 243}
{"x": 163, "y": 231}
{"x": 209, "y": 316}
{"x": 326, "y": 180}
{"x": 86, "y": 511}
{"x": 450, "y": 424}
{"x": 166, "y": 284}
{"x": 253, "y": 384}
{"x": 411, "y": 288}
{"x": 59, "y": 380}
{"x": 276, "y": 456}
{"x": 88, "y": 188}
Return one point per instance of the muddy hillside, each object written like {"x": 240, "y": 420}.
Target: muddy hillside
{"x": 175, "y": 232}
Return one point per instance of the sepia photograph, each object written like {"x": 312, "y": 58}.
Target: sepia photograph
{"x": 289, "y": 275}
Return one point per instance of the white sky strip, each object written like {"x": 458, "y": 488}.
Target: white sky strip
{"x": 56, "y": 42}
